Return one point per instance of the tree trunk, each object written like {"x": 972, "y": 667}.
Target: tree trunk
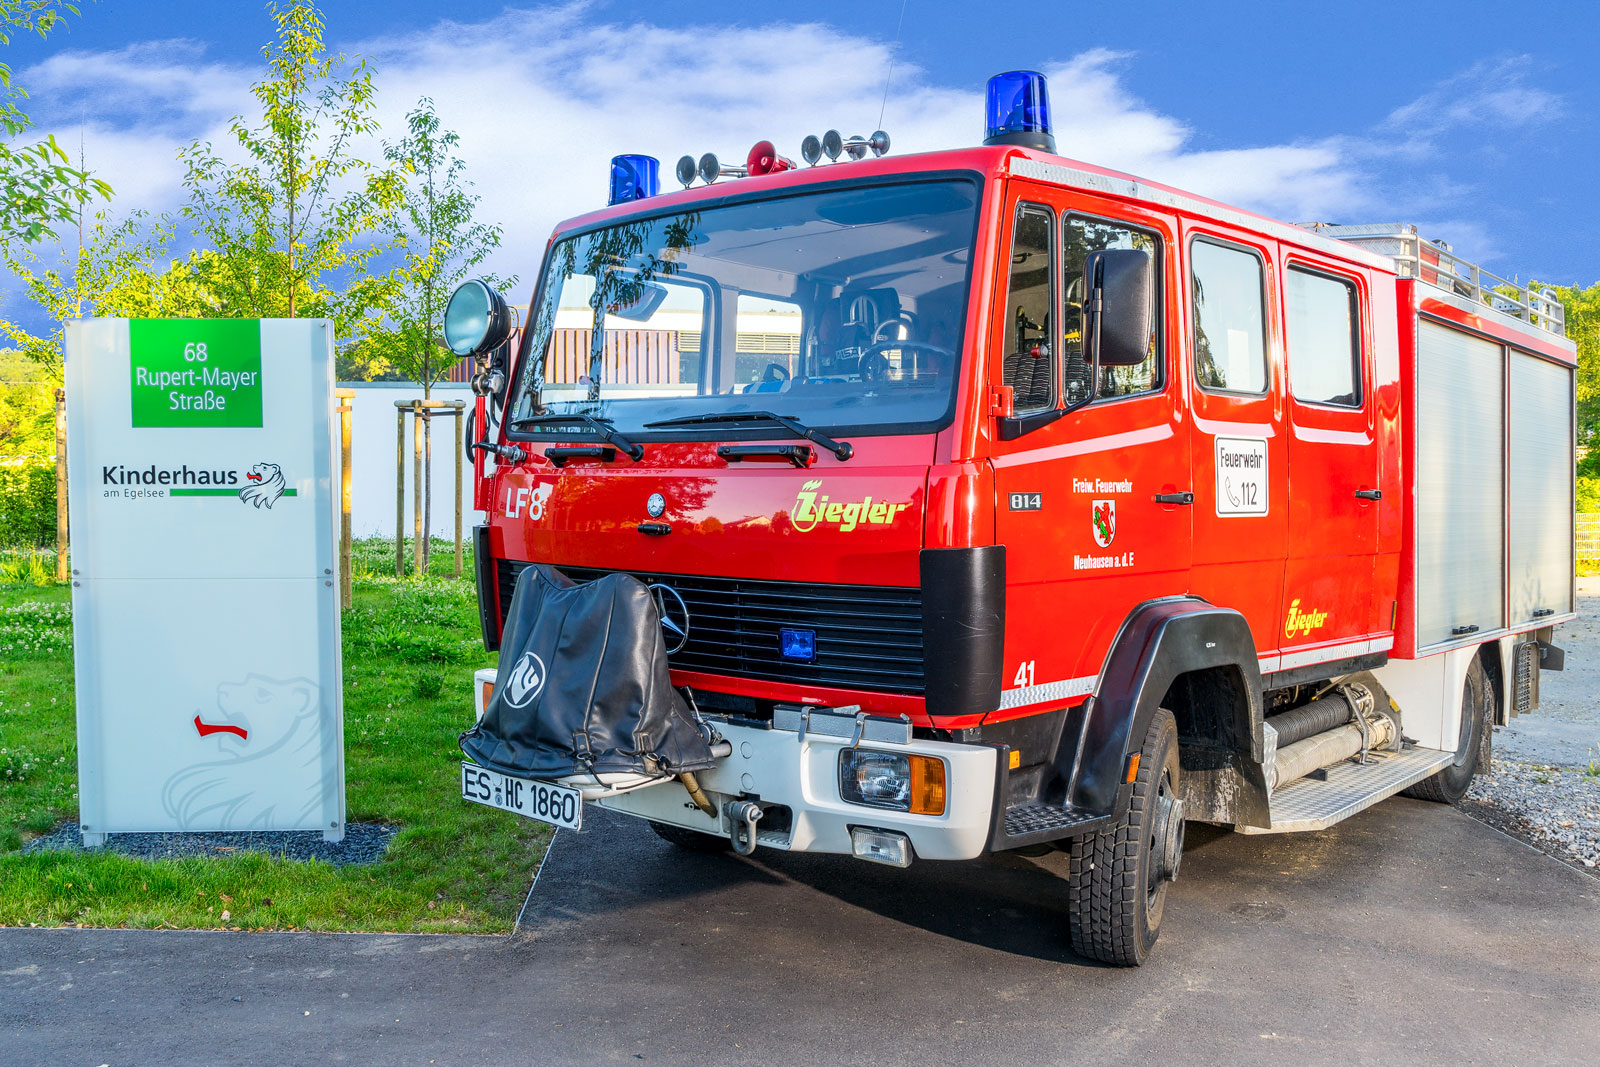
{"x": 427, "y": 481}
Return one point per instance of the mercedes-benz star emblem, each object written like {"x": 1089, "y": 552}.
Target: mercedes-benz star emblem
{"x": 674, "y": 616}
{"x": 656, "y": 505}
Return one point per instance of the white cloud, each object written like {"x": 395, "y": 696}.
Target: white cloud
{"x": 542, "y": 98}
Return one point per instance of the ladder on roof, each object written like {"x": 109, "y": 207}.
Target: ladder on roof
{"x": 1433, "y": 262}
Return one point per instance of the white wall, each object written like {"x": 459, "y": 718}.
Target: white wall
{"x": 372, "y": 453}
{"x": 372, "y": 466}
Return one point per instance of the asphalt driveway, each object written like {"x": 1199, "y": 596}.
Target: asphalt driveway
{"x": 1407, "y": 935}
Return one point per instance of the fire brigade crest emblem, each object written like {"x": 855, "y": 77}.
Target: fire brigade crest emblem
{"x": 1103, "y": 516}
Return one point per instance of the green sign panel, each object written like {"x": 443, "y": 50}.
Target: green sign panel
{"x": 196, "y": 372}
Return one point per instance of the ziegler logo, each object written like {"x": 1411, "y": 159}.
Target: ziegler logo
{"x": 1301, "y": 623}
{"x": 811, "y": 509}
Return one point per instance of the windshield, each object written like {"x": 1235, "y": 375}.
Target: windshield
{"x": 843, "y": 309}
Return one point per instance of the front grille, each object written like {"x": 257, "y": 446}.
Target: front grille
{"x": 868, "y": 636}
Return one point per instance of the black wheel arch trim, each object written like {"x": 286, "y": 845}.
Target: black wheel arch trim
{"x": 1159, "y": 640}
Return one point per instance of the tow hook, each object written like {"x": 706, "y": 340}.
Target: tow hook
{"x": 742, "y": 818}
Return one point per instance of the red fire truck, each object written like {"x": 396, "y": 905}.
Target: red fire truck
{"x": 991, "y": 500}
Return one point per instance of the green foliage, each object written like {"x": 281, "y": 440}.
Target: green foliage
{"x": 27, "y": 408}
{"x": 27, "y": 504}
{"x": 453, "y": 866}
{"x": 27, "y": 566}
{"x": 37, "y": 187}
{"x": 440, "y": 241}
{"x": 114, "y": 271}
{"x": 1582, "y": 307}
{"x": 304, "y": 206}
{"x": 1588, "y": 495}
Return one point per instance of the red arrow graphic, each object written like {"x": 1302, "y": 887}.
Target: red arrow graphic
{"x": 206, "y": 729}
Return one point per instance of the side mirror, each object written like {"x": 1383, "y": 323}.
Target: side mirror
{"x": 1122, "y": 302}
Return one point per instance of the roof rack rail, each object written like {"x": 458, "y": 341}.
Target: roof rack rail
{"x": 1434, "y": 263}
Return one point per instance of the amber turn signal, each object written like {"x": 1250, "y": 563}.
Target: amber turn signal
{"x": 927, "y": 785}
{"x": 1133, "y": 767}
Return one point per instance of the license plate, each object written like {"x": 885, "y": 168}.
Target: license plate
{"x": 554, "y": 804}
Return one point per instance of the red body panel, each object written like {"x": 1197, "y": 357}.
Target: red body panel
{"x": 1320, "y": 576}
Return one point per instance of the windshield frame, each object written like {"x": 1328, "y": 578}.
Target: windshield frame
{"x": 724, "y": 431}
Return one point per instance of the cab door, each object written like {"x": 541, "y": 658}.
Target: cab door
{"x": 1076, "y": 493}
{"x": 1334, "y": 500}
{"x": 1235, "y": 379}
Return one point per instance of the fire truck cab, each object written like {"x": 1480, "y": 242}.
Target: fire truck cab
{"x": 992, "y": 500}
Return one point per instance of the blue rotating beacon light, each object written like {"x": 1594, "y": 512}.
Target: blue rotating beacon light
{"x": 634, "y": 178}
{"x": 1019, "y": 111}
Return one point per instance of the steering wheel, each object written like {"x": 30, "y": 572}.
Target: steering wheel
{"x": 875, "y": 365}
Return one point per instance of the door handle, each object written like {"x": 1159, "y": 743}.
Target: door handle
{"x": 1175, "y": 498}
{"x": 1370, "y": 494}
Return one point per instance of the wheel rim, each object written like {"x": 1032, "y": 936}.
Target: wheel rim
{"x": 1165, "y": 846}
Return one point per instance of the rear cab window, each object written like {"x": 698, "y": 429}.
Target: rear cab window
{"x": 1324, "y": 337}
{"x": 1228, "y": 290}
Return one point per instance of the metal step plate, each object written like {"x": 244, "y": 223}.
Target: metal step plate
{"x": 1350, "y": 788}
{"x": 1040, "y": 818}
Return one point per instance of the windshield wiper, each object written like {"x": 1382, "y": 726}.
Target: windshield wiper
{"x": 599, "y": 423}
{"x": 842, "y": 449}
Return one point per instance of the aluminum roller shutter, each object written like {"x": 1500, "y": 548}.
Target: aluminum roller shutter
{"x": 1540, "y": 484}
{"x": 1459, "y": 484}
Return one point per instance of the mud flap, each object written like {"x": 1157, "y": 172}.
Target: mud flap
{"x": 582, "y": 686}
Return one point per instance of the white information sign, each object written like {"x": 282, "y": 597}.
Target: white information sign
{"x": 1241, "y": 476}
{"x": 205, "y": 597}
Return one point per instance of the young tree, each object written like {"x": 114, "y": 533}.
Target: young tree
{"x": 295, "y": 226}
{"x": 117, "y": 269}
{"x": 37, "y": 187}
{"x": 441, "y": 242}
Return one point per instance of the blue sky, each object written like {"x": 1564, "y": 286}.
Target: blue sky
{"x": 1475, "y": 120}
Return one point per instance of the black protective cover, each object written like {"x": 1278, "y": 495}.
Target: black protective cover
{"x": 582, "y": 685}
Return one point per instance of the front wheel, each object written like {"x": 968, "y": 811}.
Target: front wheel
{"x": 1117, "y": 879}
{"x": 1473, "y": 745}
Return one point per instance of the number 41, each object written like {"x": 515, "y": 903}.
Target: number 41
{"x": 1024, "y": 675}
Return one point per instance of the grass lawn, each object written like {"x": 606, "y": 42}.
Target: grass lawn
{"x": 409, "y": 651}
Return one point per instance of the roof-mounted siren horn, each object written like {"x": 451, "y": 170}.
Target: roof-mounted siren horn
{"x": 686, "y": 170}
{"x": 634, "y": 178}
{"x": 811, "y": 149}
{"x": 764, "y": 159}
{"x": 711, "y": 169}
{"x": 834, "y": 145}
{"x": 1018, "y": 111}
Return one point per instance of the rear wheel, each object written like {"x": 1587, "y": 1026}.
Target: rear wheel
{"x": 1117, "y": 880}
{"x": 691, "y": 840}
{"x": 1474, "y": 745}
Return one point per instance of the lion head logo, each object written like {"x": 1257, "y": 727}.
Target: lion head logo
{"x": 263, "y": 485}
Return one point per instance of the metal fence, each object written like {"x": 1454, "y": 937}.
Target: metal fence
{"x": 1589, "y": 537}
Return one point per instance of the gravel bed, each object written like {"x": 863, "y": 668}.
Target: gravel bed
{"x": 1556, "y": 809}
{"x": 363, "y": 843}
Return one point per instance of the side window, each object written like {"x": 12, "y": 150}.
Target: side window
{"x": 1080, "y": 236}
{"x": 1230, "y": 345}
{"x": 1029, "y": 366}
{"x": 1324, "y": 338}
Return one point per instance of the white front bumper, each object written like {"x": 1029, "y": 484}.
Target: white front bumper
{"x": 776, "y": 767}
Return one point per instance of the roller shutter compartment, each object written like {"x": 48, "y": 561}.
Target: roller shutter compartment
{"x": 1460, "y": 499}
{"x": 1540, "y": 488}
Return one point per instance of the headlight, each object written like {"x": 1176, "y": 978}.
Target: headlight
{"x": 899, "y": 782}
{"x": 476, "y": 319}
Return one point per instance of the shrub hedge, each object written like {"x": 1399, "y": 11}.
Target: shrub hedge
{"x": 27, "y": 504}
